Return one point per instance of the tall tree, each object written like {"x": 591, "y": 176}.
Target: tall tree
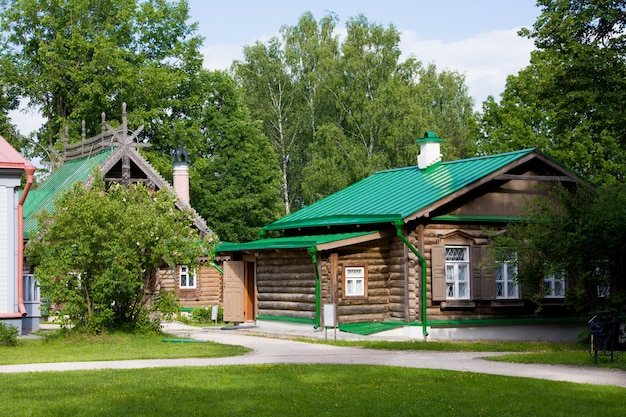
{"x": 235, "y": 182}
{"x": 353, "y": 106}
{"x": 8, "y": 102}
{"x": 77, "y": 58}
{"x": 570, "y": 100}
{"x": 270, "y": 95}
{"x": 283, "y": 80}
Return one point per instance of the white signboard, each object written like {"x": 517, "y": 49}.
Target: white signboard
{"x": 329, "y": 315}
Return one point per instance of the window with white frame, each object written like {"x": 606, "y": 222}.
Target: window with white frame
{"x": 554, "y": 285}
{"x": 457, "y": 273}
{"x": 602, "y": 275}
{"x": 187, "y": 277}
{"x": 355, "y": 281}
{"x": 506, "y": 282}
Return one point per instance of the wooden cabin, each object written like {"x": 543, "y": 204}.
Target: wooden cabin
{"x": 403, "y": 248}
{"x": 114, "y": 153}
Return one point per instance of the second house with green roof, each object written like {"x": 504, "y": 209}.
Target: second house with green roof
{"x": 403, "y": 249}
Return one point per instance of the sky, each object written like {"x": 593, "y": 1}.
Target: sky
{"x": 476, "y": 38}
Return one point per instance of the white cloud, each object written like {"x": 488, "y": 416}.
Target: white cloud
{"x": 220, "y": 57}
{"x": 486, "y": 59}
{"x": 26, "y": 118}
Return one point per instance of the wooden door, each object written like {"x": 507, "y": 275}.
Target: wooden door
{"x": 234, "y": 291}
{"x": 250, "y": 292}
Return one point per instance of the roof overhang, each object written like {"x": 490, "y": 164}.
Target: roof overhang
{"x": 502, "y": 174}
{"x": 343, "y": 220}
{"x": 319, "y": 242}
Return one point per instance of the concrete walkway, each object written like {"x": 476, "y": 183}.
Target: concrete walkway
{"x": 274, "y": 348}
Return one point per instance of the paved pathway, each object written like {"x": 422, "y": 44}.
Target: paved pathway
{"x": 266, "y": 350}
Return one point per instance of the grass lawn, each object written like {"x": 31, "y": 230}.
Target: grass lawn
{"x": 299, "y": 390}
{"x": 522, "y": 352}
{"x": 57, "y": 347}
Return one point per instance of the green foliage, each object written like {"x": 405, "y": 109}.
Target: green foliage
{"x": 235, "y": 184}
{"x": 8, "y": 335}
{"x": 166, "y": 304}
{"x": 569, "y": 102}
{"x": 76, "y": 59}
{"x": 337, "y": 111}
{"x": 580, "y": 233}
{"x": 204, "y": 315}
{"x": 96, "y": 255}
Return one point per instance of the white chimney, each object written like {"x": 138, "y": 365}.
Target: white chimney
{"x": 181, "y": 175}
{"x": 430, "y": 150}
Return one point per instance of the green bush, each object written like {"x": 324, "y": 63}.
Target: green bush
{"x": 8, "y": 335}
{"x": 167, "y": 304}
{"x": 203, "y": 315}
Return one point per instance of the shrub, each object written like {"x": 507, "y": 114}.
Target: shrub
{"x": 8, "y": 335}
{"x": 167, "y": 304}
{"x": 203, "y": 315}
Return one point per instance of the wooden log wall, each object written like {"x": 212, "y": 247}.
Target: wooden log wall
{"x": 208, "y": 291}
{"x": 439, "y": 234}
{"x": 384, "y": 273}
{"x": 413, "y": 272}
{"x": 286, "y": 284}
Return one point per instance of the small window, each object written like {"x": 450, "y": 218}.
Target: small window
{"x": 457, "y": 273}
{"x": 602, "y": 276}
{"x": 355, "y": 281}
{"x": 506, "y": 282}
{"x": 187, "y": 278}
{"x": 554, "y": 285}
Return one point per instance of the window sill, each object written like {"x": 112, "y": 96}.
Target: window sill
{"x": 507, "y": 303}
{"x": 553, "y": 301}
{"x": 457, "y": 305}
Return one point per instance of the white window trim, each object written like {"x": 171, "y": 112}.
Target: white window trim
{"x": 507, "y": 281}
{"x": 357, "y": 275}
{"x": 549, "y": 285}
{"x": 455, "y": 282}
{"x": 604, "y": 288}
{"x": 184, "y": 272}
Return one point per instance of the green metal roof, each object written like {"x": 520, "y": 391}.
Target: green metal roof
{"x": 43, "y": 197}
{"x": 392, "y": 195}
{"x": 288, "y": 242}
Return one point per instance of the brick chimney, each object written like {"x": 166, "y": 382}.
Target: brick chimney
{"x": 430, "y": 150}
{"x": 181, "y": 175}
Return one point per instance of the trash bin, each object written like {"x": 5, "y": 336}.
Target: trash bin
{"x": 605, "y": 329}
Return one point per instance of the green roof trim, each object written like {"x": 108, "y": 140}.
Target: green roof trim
{"x": 467, "y": 218}
{"x": 44, "y": 196}
{"x": 297, "y": 242}
{"x": 389, "y": 195}
{"x": 338, "y": 220}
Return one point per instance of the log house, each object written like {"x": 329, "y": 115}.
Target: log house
{"x": 405, "y": 246}
{"x": 114, "y": 153}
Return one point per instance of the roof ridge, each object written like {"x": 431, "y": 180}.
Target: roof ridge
{"x": 498, "y": 155}
{"x": 474, "y": 158}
